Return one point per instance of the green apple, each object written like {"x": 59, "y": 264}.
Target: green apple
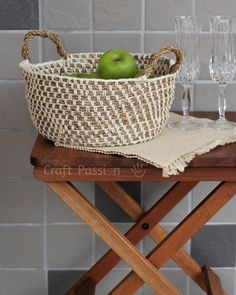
{"x": 117, "y": 64}
{"x": 84, "y": 75}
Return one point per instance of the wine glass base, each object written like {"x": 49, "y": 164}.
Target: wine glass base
{"x": 221, "y": 125}
{"x": 185, "y": 124}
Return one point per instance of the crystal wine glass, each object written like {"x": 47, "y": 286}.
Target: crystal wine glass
{"x": 222, "y": 64}
{"x": 187, "y": 38}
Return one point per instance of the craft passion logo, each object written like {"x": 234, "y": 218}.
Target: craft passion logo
{"x": 66, "y": 171}
{"x": 138, "y": 170}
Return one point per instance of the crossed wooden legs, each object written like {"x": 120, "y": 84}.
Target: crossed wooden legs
{"x": 144, "y": 269}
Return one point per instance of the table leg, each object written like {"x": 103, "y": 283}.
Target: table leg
{"x": 138, "y": 231}
{"x": 120, "y": 244}
{"x": 157, "y": 234}
{"x": 213, "y": 282}
{"x": 87, "y": 288}
{"x": 181, "y": 234}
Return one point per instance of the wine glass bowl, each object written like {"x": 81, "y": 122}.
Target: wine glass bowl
{"x": 222, "y": 73}
{"x": 188, "y": 72}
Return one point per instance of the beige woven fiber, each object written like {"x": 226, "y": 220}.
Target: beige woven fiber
{"x": 78, "y": 113}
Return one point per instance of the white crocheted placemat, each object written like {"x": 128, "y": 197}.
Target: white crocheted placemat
{"x": 173, "y": 149}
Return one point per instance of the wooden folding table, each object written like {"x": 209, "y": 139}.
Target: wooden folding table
{"x": 57, "y": 167}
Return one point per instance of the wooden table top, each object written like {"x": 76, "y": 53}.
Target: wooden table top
{"x": 45, "y": 153}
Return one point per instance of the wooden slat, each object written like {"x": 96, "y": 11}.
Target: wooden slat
{"x": 87, "y": 288}
{"x": 213, "y": 282}
{"x": 181, "y": 234}
{"x": 110, "y": 235}
{"x": 136, "y": 233}
{"x": 157, "y": 234}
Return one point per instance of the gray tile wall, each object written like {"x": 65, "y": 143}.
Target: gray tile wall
{"x": 41, "y": 241}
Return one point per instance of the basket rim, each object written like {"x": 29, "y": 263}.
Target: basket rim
{"x": 26, "y": 66}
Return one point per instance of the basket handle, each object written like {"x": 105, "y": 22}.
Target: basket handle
{"x": 156, "y": 55}
{"x": 44, "y": 34}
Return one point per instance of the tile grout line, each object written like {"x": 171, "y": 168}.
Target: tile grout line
{"x": 92, "y": 25}
{"x": 235, "y": 274}
{"x": 45, "y": 256}
{"x": 143, "y": 11}
{"x": 194, "y": 7}
{"x": 16, "y": 177}
{"x": 12, "y": 81}
{"x": 87, "y": 268}
{"x": 194, "y": 4}
{"x": 22, "y": 130}
{"x": 142, "y": 45}
{"x": 20, "y": 269}
{"x": 21, "y": 225}
{"x": 92, "y": 49}
{"x": 40, "y": 3}
{"x": 193, "y": 106}
{"x": 83, "y": 224}
{"x": 188, "y": 286}
{"x": 87, "y": 31}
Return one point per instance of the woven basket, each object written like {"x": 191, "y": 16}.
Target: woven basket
{"x": 82, "y": 113}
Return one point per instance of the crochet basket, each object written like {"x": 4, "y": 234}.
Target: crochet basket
{"x": 81, "y": 113}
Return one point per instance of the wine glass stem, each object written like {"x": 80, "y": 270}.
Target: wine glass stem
{"x": 222, "y": 102}
{"x": 186, "y": 101}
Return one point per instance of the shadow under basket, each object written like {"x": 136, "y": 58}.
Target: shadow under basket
{"x": 81, "y": 113}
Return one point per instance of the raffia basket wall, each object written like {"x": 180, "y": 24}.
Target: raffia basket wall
{"x": 83, "y": 113}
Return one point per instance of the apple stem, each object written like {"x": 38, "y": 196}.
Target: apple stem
{"x": 116, "y": 59}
